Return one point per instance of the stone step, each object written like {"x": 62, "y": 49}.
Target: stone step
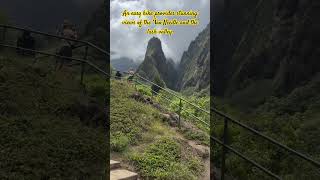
{"x": 121, "y": 174}
{"x": 114, "y": 164}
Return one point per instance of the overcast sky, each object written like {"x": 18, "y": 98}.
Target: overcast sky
{"x": 45, "y": 15}
{"x": 130, "y": 41}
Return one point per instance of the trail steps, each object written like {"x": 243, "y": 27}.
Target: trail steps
{"x": 116, "y": 173}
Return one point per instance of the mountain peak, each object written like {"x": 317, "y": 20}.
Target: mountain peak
{"x": 155, "y": 64}
{"x": 154, "y": 47}
{"x": 155, "y": 40}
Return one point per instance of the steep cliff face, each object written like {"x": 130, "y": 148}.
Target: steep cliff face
{"x": 156, "y": 64}
{"x": 194, "y": 68}
{"x": 275, "y": 48}
{"x": 230, "y": 19}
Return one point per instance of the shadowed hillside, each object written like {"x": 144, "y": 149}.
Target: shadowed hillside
{"x": 44, "y": 130}
{"x": 266, "y": 73}
{"x": 51, "y": 126}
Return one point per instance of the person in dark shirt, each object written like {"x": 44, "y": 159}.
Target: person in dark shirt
{"x": 26, "y": 41}
{"x": 67, "y": 30}
{"x": 118, "y": 75}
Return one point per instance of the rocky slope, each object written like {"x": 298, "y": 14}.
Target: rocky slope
{"x": 267, "y": 45}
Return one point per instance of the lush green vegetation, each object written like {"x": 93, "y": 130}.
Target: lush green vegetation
{"x": 156, "y": 88}
{"x": 292, "y": 120}
{"x": 164, "y": 160}
{"x": 41, "y": 135}
{"x": 96, "y": 85}
{"x": 140, "y": 138}
{"x": 188, "y": 111}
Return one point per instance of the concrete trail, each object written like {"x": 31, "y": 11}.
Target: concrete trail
{"x": 116, "y": 173}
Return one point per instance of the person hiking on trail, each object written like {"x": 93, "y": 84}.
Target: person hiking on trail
{"x": 118, "y": 75}
{"x": 131, "y": 75}
{"x": 26, "y": 41}
{"x": 67, "y": 30}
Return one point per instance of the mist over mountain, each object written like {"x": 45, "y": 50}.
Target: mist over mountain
{"x": 46, "y": 15}
{"x": 124, "y": 64}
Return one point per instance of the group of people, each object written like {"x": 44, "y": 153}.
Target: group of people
{"x": 26, "y": 41}
{"x": 130, "y": 72}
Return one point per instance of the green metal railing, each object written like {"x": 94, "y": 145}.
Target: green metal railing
{"x": 84, "y": 62}
{"x": 182, "y": 101}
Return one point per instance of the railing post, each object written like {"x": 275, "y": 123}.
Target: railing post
{"x": 179, "y": 113}
{"x": 4, "y": 34}
{"x": 135, "y": 84}
{"x": 83, "y": 64}
{"x": 224, "y": 149}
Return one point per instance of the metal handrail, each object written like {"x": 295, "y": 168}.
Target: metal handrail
{"x": 190, "y": 103}
{"x": 84, "y": 43}
{"x": 58, "y": 56}
{"x": 273, "y": 141}
{"x": 170, "y": 101}
{"x": 41, "y": 33}
{"x": 224, "y": 143}
{"x": 245, "y": 158}
{"x": 55, "y": 36}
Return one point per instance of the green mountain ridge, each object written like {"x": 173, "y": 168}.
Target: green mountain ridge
{"x": 192, "y": 74}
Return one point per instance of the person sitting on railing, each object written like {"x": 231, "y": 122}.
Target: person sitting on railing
{"x": 26, "y": 41}
{"x": 118, "y": 75}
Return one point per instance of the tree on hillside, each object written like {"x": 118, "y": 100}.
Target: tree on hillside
{"x": 155, "y": 88}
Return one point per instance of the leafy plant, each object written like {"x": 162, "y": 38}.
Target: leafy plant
{"x": 157, "y": 80}
{"x": 162, "y": 160}
{"x": 119, "y": 142}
